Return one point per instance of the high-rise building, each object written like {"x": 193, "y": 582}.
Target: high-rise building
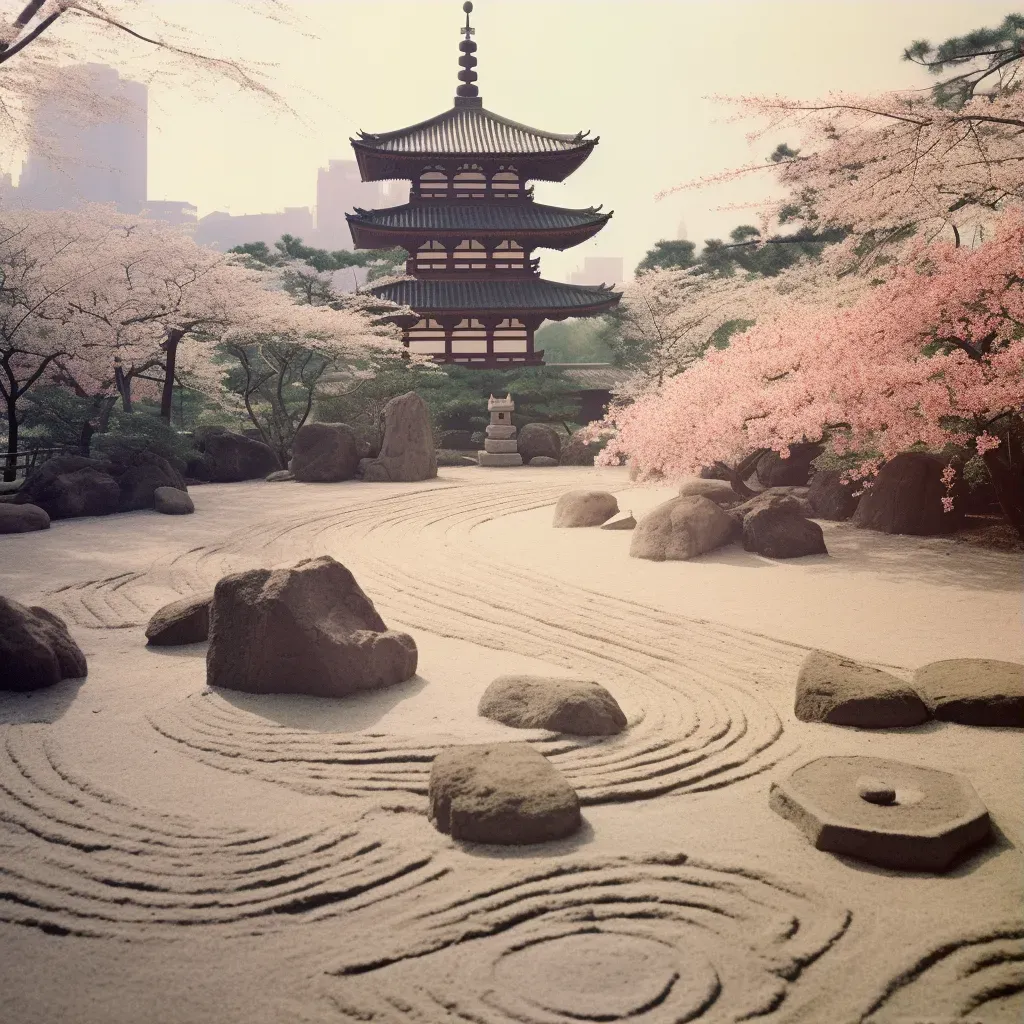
{"x": 76, "y": 159}
{"x": 340, "y": 188}
{"x": 170, "y": 211}
{"x": 599, "y": 270}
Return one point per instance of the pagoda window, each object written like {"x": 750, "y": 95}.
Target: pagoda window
{"x": 469, "y": 338}
{"x": 433, "y": 183}
{"x": 510, "y": 335}
{"x": 431, "y": 256}
{"x": 470, "y": 255}
{"x": 506, "y": 184}
{"x": 509, "y": 256}
{"x": 470, "y": 182}
{"x": 426, "y": 337}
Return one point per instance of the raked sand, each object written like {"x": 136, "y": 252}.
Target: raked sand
{"x": 174, "y": 855}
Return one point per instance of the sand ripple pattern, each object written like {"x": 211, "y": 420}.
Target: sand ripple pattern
{"x": 972, "y": 978}
{"x": 701, "y": 724}
{"x": 75, "y": 860}
{"x": 655, "y": 941}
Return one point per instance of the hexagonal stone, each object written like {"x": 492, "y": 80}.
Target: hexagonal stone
{"x": 973, "y": 691}
{"x": 935, "y": 816}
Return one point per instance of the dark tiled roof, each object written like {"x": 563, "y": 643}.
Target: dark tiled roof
{"x": 507, "y": 294}
{"x": 472, "y": 130}
{"x": 592, "y": 376}
{"x": 512, "y": 215}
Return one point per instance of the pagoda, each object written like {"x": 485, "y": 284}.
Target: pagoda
{"x": 471, "y": 227}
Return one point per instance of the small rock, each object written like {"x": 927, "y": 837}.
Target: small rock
{"x": 22, "y": 518}
{"x": 973, "y": 691}
{"x": 279, "y": 476}
{"x": 781, "y": 533}
{"x": 504, "y": 793}
{"x": 626, "y": 522}
{"x": 543, "y": 460}
{"x": 840, "y": 691}
{"x": 575, "y": 706}
{"x": 182, "y": 622}
{"x": 172, "y": 502}
{"x": 718, "y": 491}
{"x": 875, "y": 792}
{"x": 682, "y": 528}
{"x": 584, "y": 508}
{"x": 36, "y": 649}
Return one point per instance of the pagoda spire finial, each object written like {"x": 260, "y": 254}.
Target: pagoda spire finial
{"x": 467, "y": 94}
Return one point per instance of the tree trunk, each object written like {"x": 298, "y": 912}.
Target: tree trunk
{"x": 85, "y": 437}
{"x": 124, "y": 388}
{"x": 10, "y": 467}
{"x": 170, "y": 346}
{"x": 106, "y": 408}
{"x": 1005, "y": 466}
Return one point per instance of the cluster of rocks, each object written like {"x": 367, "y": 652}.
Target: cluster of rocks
{"x": 36, "y": 649}
{"x": 69, "y": 486}
{"x": 971, "y": 691}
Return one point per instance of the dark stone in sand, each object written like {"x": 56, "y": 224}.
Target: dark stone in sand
{"x": 500, "y": 793}
{"x": 230, "y": 458}
{"x": 36, "y": 649}
{"x": 279, "y": 476}
{"x": 182, "y": 622}
{"x": 584, "y": 508}
{"x": 70, "y": 486}
{"x": 309, "y": 629}
{"x": 22, "y": 518}
{"x": 840, "y": 691}
{"x": 539, "y": 439}
{"x": 973, "y": 691}
{"x": 934, "y": 819}
{"x": 781, "y": 533}
{"x": 140, "y": 482}
{"x": 172, "y": 502}
{"x": 324, "y": 453}
{"x": 575, "y": 706}
{"x": 906, "y": 497}
{"x": 543, "y": 460}
{"x": 407, "y": 452}
{"x": 830, "y": 498}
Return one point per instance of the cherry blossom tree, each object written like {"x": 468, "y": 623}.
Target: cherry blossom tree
{"x": 934, "y": 356}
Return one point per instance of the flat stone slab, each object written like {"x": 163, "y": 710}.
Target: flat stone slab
{"x": 499, "y": 458}
{"x": 496, "y": 447}
{"x": 842, "y": 805}
{"x": 973, "y": 691}
{"x": 626, "y": 522}
{"x": 279, "y": 476}
{"x": 181, "y": 622}
{"x": 504, "y": 793}
{"x": 584, "y": 508}
{"x": 840, "y": 691}
{"x": 576, "y": 706}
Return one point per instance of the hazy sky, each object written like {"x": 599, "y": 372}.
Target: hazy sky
{"x": 639, "y": 73}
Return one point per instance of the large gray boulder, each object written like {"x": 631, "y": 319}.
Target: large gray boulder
{"x": 230, "y": 458}
{"x": 182, "y": 622}
{"x": 682, "y": 528}
{"x": 779, "y": 498}
{"x": 841, "y": 691}
{"x": 579, "y": 452}
{"x": 140, "y": 481}
{"x": 829, "y": 497}
{"x": 324, "y": 453}
{"x": 539, "y": 440}
{"x": 309, "y": 629}
{"x": 584, "y": 508}
{"x": 22, "y": 518}
{"x": 500, "y": 793}
{"x": 782, "y": 533}
{"x": 775, "y": 471}
{"x": 973, "y": 691}
{"x": 70, "y": 486}
{"x": 407, "y": 452}
{"x": 36, "y": 649}
{"x": 906, "y": 497}
{"x": 170, "y": 501}
{"x": 576, "y": 706}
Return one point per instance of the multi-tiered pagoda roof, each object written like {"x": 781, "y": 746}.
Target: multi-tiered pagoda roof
{"x": 471, "y": 227}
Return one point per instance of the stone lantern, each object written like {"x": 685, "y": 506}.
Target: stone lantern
{"x": 500, "y": 445}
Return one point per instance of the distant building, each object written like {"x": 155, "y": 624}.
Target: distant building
{"x": 599, "y": 270}
{"x": 339, "y": 188}
{"x": 72, "y": 161}
{"x": 681, "y": 233}
{"x": 170, "y": 212}
{"x": 223, "y": 231}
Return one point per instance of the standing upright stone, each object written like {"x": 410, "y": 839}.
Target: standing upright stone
{"x": 407, "y": 452}
{"x": 500, "y": 445}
